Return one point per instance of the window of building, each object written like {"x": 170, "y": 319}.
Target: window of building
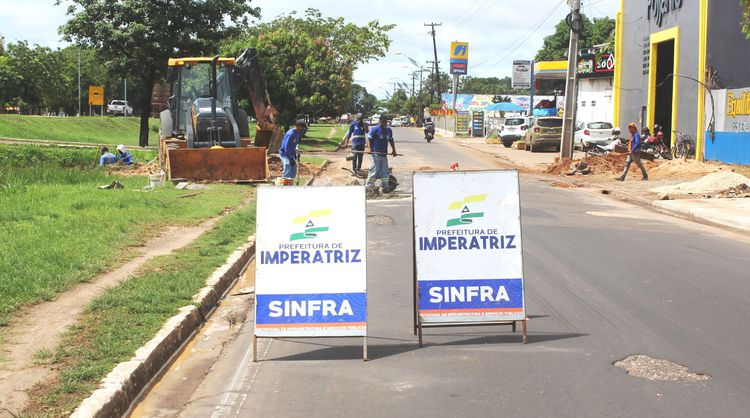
{"x": 583, "y": 103}
{"x": 593, "y": 103}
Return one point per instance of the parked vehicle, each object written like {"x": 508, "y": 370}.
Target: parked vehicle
{"x": 429, "y": 130}
{"x": 374, "y": 120}
{"x": 397, "y": 121}
{"x": 613, "y": 141}
{"x": 655, "y": 146}
{"x": 592, "y": 133}
{"x": 684, "y": 145}
{"x": 513, "y": 129}
{"x": 119, "y": 107}
{"x": 544, "y": 132}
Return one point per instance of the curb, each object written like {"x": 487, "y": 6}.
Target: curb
{"x": 125, "y": 383}
{"x": 310, "y": 181}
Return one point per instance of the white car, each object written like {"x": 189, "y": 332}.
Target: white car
{"x": 374, "y": 120}
{"x": 119, "y": 107}
{"x": 594, "y": 133}
{"x": 397, "y": 121}
{"x": 513, "y": 129}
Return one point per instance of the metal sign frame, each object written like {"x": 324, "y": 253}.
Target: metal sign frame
{"x": 311, "y": 264}
{"x": 496, "y": 311}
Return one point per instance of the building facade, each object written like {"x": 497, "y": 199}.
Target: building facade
{"x": 683, "y": 64}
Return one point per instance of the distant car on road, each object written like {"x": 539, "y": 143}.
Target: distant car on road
{"x": 375, "y": 119}
{"x": 592, "y": 133}
{"x": 119, "y": 107}
{"x": 513, "y": 129}
{"x": 544, "y": 132}
{"x": 397, "y": 121}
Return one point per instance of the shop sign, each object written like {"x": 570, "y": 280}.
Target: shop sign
{"x": 596, "y": 65}
{"x": 660, "y": 8}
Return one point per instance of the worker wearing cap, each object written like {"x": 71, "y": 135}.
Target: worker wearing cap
{"x": 123, "y": 155}
{"x": 379, "y": 137}
{"x": 288, "y": 149}
{"x": 357, "y": 133}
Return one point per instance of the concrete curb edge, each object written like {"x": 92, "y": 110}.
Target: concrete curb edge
{"x": 125, "y": 383}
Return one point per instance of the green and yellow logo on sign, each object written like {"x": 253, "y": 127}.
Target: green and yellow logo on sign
{"x": 311, "y": 228}
{"x": 467, "y": 215}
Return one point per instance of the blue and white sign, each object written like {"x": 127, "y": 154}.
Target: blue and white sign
{"x": 468, "y": 247}
{"x": 310, "y": 262}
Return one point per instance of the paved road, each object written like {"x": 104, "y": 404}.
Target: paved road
{"x": 604, "y": 280}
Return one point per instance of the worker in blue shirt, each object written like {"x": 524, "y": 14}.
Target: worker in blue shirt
{"x": 124, "y": 156}
{"x": 288, "y": 149}
{"x": 379, "y": 137}
{"x": 107, "y": 157}
{"x": 357, "y": 133}
{"x": 634, "y": 155}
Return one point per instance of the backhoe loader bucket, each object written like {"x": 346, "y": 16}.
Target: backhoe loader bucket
{"x": 214, "y": 164}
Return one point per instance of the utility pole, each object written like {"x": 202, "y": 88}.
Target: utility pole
{"x": 434, "y": 48}
{"x": 79, "y": 81}
{"x": 571, "y": 82}
{"x": 126, "y": 96}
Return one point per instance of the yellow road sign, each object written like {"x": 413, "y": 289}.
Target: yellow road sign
{"x": 460, "y": 51}
{"x": 96, "y": 95}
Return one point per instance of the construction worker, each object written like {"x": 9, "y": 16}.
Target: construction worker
{"x": 107, "y": 157}
{"x": 358, "y": 133}
{"x": 379, "y": 137}
{"x": 634, "y": 155}
{"x": 288, "y": 149}
{"x": 124, "y": 156}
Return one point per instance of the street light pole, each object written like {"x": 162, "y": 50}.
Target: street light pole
{"x": 79, "y": 80}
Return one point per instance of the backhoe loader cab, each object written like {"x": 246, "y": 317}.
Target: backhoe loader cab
{"x": 204, "y": 135}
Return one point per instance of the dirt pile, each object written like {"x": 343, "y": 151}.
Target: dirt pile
{"x": 609, "y": 164}
{"x": 718, "y": 182}
{"x": 135, "y": 169}
{"x": 683, "y": 168}
{"x": 276, "y": 168}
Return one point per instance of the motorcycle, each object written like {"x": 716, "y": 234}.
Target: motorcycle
{"x": 655, "y": 146}
{"x": 429, "y": 131}
{"x": 613, "y": 140}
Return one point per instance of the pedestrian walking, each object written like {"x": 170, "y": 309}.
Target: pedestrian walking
{"x": 288, "y": 149}
{"x": 634, "y": 156}
{"x": 379, "y": 137}
{"x": 357, "y": 133}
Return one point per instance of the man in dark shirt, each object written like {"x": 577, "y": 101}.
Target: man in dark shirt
{"x": 379, "y": 137}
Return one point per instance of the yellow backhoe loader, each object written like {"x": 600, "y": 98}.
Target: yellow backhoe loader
{"x": 204, "y": 135}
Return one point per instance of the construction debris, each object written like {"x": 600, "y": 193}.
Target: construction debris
{"x": 714, "y": 183}
{"x": 114, "y": 185}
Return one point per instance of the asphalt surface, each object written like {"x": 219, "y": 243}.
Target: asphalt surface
{"x": 604, "y": 280}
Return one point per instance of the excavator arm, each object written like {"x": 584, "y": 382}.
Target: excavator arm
{"x": 248, "y": 65}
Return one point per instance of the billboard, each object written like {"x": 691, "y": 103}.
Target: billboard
{"x": 521, "y": 74}
{"x": 459, "y": 59}
{"x": 311, "y": 262}
{"x": 467, "y": 238}
{"x": 596, "y": 65}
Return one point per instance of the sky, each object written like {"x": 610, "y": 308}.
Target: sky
{"x": 498, "y": 31}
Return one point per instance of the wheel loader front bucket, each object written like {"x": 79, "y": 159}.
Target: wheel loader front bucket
{"x": 214, "y": 164}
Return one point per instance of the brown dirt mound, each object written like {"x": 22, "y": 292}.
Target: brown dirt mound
{"x": 136, "y": 169}
{"x": 275, "y": 168}
{"x": 680, "y": 168}
{"x": 600, "y": 164}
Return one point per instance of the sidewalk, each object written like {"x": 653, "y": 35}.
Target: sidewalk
{"x": 727, "y": 212}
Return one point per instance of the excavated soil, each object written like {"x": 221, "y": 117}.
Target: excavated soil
{"x": 611, "y": 164}
{"x": 276, "y": 169}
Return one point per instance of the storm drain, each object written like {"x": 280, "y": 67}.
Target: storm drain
{"x": 650, "y": 368}
{"x": 380, "y": 220}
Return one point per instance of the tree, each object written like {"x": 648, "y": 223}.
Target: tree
{"x": 556, "y": 46}
{"x": 487, "y": 85}
{"x": 137, "y": 37}
{"x": 308, "y": 61}
{"x": 361, "y": 101}
{"x": 745, "y": 17}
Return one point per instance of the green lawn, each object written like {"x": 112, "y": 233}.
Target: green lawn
{"x": 119, "y": 322}
{"x": 322, "y": 137}
{"x": 58, "y": 229}
{"x": 88, "y": 129}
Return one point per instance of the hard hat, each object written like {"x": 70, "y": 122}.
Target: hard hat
{"x": 121, "y": 148}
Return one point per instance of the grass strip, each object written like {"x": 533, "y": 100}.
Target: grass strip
{"x": 126, "y": 317}
{"x": 59, "y": 230}
{"x": 88, "y": 129}
{"x": 322, "y": 137}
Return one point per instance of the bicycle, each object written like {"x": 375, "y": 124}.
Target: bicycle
{"x": 684, "y": 145}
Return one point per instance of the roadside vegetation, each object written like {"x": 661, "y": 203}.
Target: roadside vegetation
{"x": 94, "y": 129}
{"x": 59, "y": 230}
{"x": 322, "y": 137}
{"x": 125, "y": 318}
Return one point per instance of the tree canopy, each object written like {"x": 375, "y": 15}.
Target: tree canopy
{"x": 745, "y": 17}
{"x": 596, "y": 32}
{"x": 487, "y": 85}
{"x": 360, "y": 101}
{"x": 308, "y": 61}
{"x": 137, "y": 37}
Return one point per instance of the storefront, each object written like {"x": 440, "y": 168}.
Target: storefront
{"x": 676, "y": 55}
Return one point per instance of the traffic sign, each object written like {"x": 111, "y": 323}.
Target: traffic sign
{"x": 459, "y": 58}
